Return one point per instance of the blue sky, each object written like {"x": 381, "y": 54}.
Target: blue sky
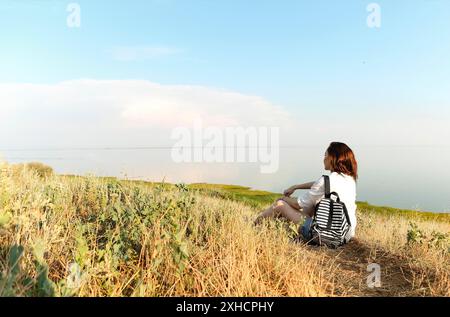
{"x": 135, "y": 70}
{"x": 286, "y": 51}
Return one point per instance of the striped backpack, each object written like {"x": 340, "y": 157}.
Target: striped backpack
{"x": 331, "y": 222}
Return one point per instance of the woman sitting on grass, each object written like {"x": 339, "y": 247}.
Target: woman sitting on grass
{"x": 340, "y": 161}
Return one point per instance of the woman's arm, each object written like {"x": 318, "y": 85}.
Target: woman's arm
{"x": 304, "y": 186}
{"x": 309, "y": 200}
{"x": 288, "y": 192}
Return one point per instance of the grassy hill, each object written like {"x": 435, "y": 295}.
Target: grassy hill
{"x": 88, "y": 236}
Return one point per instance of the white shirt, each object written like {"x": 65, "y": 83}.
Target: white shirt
{"x": 344, "y": 185}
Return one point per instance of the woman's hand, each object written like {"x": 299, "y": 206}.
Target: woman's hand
{"x": 288, "y": 192}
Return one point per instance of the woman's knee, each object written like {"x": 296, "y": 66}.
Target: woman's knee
{"x": 279, "y": 206}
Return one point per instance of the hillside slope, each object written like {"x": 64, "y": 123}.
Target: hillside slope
{"x": 86, "y": 236}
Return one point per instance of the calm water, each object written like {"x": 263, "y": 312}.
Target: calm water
{"x": 405, "y": 177}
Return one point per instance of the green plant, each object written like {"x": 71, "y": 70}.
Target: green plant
{"x": 414, "y": 234}
{"x": 44, "y": 286}
{"x": 435, "y": 239}
{"x": 440, "y": 240}
{"x": 9, "y": 278}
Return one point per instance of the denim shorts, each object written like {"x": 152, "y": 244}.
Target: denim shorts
{"x": 305, "y": 230}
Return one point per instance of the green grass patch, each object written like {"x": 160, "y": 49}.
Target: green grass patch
{"x": 413, "y": 214}
{"x": 261, "y": 199}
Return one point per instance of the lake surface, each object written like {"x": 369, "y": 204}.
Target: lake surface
{"x": 412, "y": 177}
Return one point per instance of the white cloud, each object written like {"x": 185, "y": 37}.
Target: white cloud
{"x": 110, "y": 112}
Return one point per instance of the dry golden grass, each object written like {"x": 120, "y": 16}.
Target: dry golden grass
{"x": 425, "y": 266}
{"x": 136, "y": 240}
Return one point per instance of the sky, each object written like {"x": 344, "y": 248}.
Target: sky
{"x": 135, "y": 70}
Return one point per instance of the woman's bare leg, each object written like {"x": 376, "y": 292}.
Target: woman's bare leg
{"x": 288, "y": 212}
{"x": 267, "y": 213}
{"x": 280, "y": 209}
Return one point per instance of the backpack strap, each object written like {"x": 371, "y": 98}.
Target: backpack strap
{"x": 327, "y": 186}
{"x": 346, "y": 215}
{"x": 328, "y": 195}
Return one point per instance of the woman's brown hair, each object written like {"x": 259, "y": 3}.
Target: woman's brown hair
{"x": 342, "y": 159}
